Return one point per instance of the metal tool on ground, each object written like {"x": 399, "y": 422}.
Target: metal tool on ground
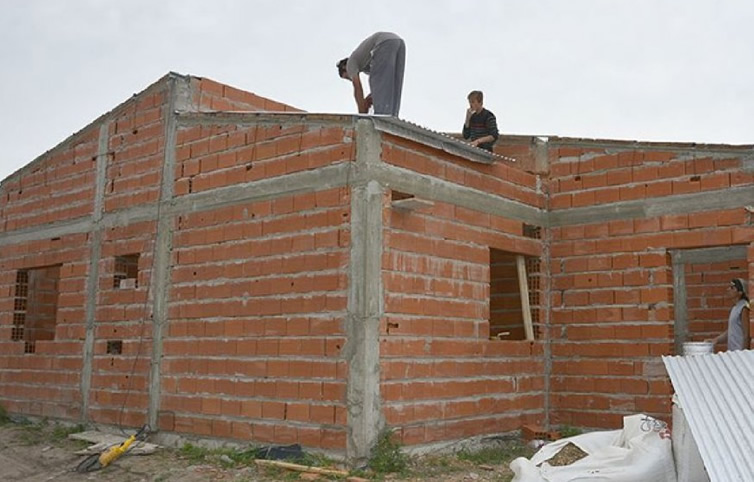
{"x": 108, "y": 456}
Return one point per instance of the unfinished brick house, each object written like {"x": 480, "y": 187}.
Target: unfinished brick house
{"x": 220, "y": 265}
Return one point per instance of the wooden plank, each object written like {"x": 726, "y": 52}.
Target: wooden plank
{"x": 523, "y": 287}
{"x": 300, "y": 468}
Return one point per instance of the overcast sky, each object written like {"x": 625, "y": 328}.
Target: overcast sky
{"x": 661, "y": 70}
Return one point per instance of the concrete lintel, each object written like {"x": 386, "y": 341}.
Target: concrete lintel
{"x": 709, "y": 255}
{"x": 630, "y": 145}
{"x": 52, "y": 230}
{"x": 729, "y": 198}
{"x": 596, "y": 214}
{"x": 427, "y": 187}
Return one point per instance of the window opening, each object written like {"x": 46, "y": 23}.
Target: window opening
{"x": 19, "y": 305}
{"x": 35, "y": 305}
{"x": 126, "y": 271}
{"x": 509, "y": 315}
{"x": 531, "y": 231}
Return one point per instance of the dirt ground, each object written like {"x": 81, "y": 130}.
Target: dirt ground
{"x": 43, "y": 452}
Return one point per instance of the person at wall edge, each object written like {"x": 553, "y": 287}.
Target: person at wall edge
{"x": 480, "y": 125}
{"x": 737, "y": 333}
{"x": 382, "y": 56}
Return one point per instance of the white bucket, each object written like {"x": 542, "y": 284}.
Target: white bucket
{"x": 698, "y": 348}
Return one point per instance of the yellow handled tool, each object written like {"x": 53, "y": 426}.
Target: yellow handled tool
{"x": 102, "y": 460}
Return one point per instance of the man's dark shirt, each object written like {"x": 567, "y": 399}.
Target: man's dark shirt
{"x": 481, "y": 124}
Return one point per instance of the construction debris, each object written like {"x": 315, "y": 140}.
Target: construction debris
{"x": 102, "y": 441}
{"x": 567, "y": 455}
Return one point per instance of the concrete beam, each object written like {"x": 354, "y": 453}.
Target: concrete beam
{"x": 328, "y": 177}
{"x": 710, "y": 255}
{"x": 51, "y": 230}
{"x": 265, "y": 118}
{"x": 729, "y": 198}
{"x": 428, "y": 187}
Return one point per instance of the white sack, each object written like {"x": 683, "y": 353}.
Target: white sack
{"x": 642, "y": 451}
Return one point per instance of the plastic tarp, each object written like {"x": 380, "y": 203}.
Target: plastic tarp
{"x": 641, "y": 451}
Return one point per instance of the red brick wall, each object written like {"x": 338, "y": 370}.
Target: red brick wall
{"x": 442, "y": 378}
{"x": 612, "y": 297}
{"x": 257, "y": 321}
{"x": 503, "y": 179}
{"x": 136, "y": 145}
{"x": 211, "y": 95}
{"x": 119, "y": 384}
{"x": 592, "y": 176}
{"x": 45, "y": 383}
{"x": 212, "y": 156}
{"x": 58, "y": 186}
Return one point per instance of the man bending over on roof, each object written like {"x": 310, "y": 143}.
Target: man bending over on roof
{"x": 382, "y": 56}
{"x": 480, "y": 126}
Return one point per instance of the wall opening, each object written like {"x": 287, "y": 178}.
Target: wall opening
{"x": 114, "y": 347}
{"x": 507, "y": 319}
{"x": 700, "y": 279}
{"x": 707, "y": 305}
{"x": 126, "y": 273}
{"x": 35, "y": 305}
{"x": 532, "y": 231}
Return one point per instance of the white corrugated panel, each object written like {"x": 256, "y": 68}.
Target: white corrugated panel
{"x": 716, "y": 393}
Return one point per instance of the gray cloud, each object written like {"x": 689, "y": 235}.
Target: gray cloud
{"x": 626, "y": 69}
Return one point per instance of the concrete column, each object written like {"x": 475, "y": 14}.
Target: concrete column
{"x": 92, "y": 278}
{"x": 159, "y": 290}
{"x": 365, "y": 301}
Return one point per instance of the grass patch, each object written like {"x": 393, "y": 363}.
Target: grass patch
{"x": 44, "y": 432}
{"x": 61, "y": 432}
{"x": 568, "y": 431}
{"x": 497, "y": 455}
{"x": 387, "y": 457}
{"x": 4, "y": 418}
{"x": 236, "y": 458}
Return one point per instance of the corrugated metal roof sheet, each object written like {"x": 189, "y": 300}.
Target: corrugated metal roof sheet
{"x": 716, "y": 393}
{"x": 439, "y": 140}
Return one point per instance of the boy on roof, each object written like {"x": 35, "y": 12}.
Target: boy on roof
{"x": 480, "y": 126}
